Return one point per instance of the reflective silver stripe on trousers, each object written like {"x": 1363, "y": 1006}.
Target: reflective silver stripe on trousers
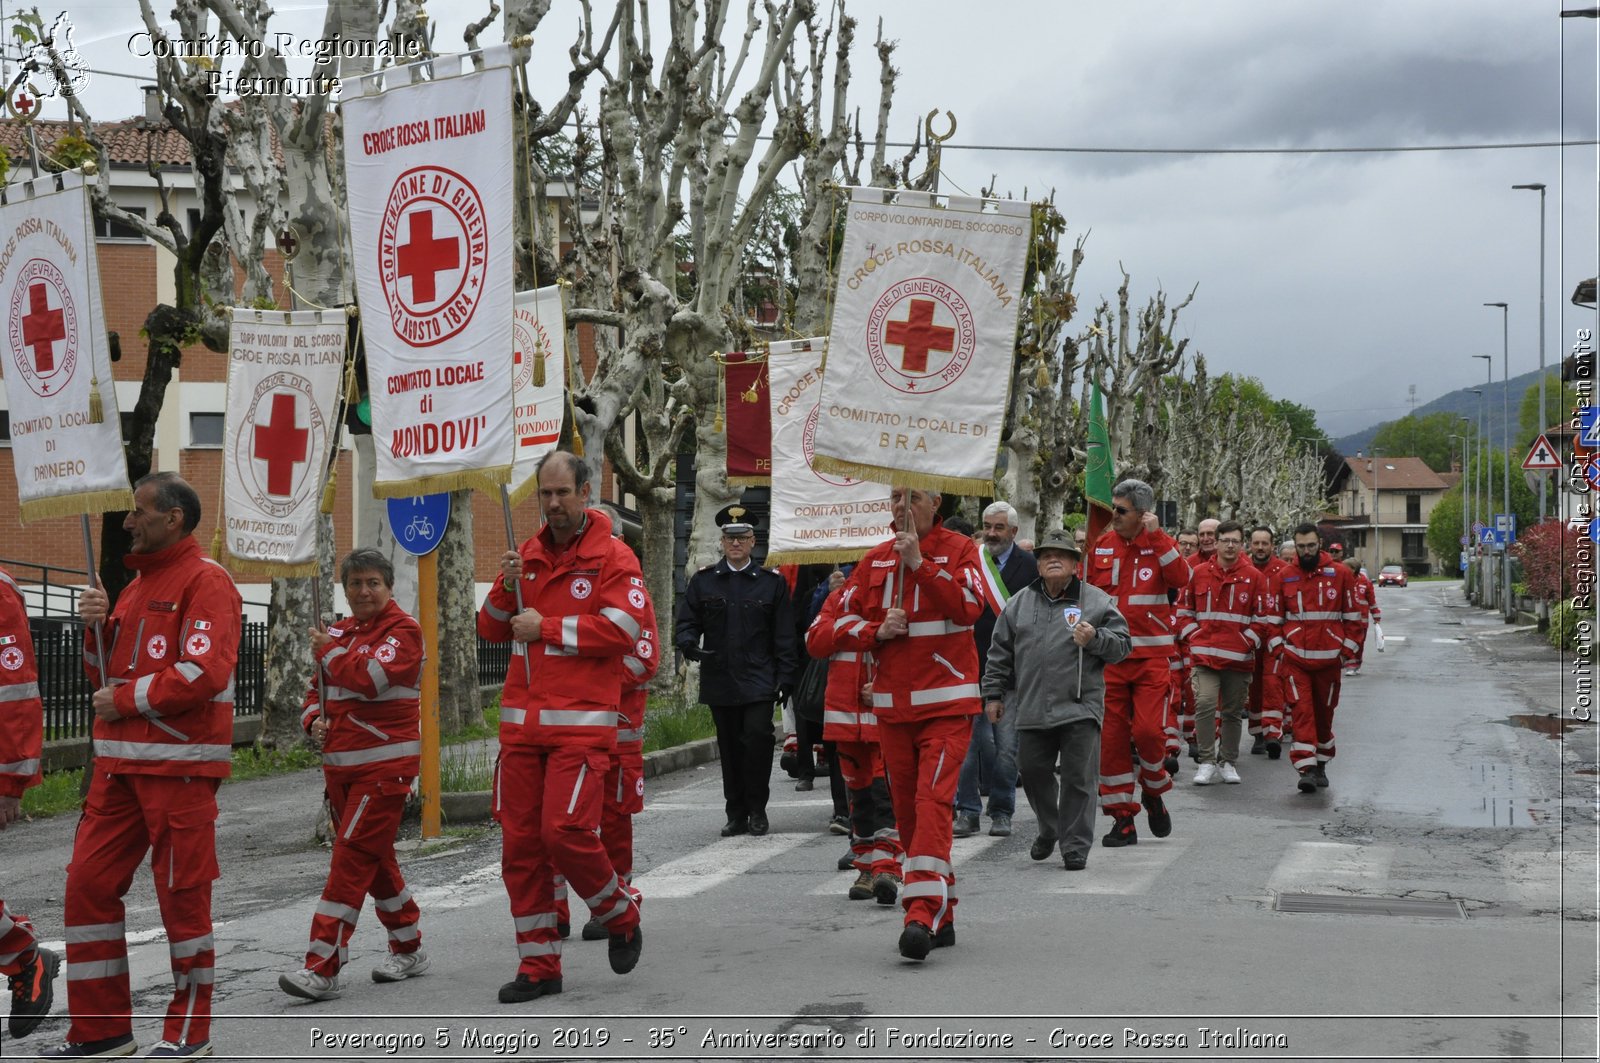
{"x": 351, "y": 829}
{"x": 182, "y": 950}
{"x": 352, "y": 757}
{"x": 577, "y": 788}
{"x": 1125, "y": 779}
{"x": 629, "y": 734}
{"x": 18, "y": 691}
{"x": 539, "y": 948}
{"x": 81, "y": 935}
{"x": 20, "y": 767}
{"x": 577, "y": 717}
{"x": 938, "y": 694}
{"x": 513, "y": 715}
{"x": 90, "y": 969}
{"x": 923, "y": 889}
{"x": 616, "y": 910}
{"x": 393, "y": 904}
{"x": 194, "y": 976}
{"x": 929, "y": 863}
{"x": 526, "y": 923}
{"x": 104, "y": 747}
{"x": 845, "y": 655}
{"x": 496, "y": 614}
{"x": 405, "y": 933}
{"x": 342, "y": 912}
{"x": 629, "y": 626}
{"x": 610, "y": 887}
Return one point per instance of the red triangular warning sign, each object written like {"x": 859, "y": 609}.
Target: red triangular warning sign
{"x": 1542, "y": 456}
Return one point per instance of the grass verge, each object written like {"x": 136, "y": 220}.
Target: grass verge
{"x": 672, "y": 722}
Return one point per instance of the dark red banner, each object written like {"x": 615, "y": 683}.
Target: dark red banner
{"x": 749, "y": 419}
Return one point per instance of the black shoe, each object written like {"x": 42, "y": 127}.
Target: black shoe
{"x": 805, "y": 784}
{"x": 623, "y": 952}
{"x": 946, "y": 937}
{"x": 1122, "y": 833}
{"x": 563, "y": 930}
{"x": 33, "y": 991}
{"x": 1259, "y": 746}
{"x": 1171, "y": 764}
{"x": 966, "y": 825}
{"x": 523, "y": 989}
{"x": 1074, "y": 861}
{"x": 915, "y": 942}
{"x": 886, "y": 888}
{"x": 736, "y": 826}
{"x": 1000, "y": 826}
{"x": 790, "y": 763}
{"x": 1308, "y": 782}
{"x": 758, "y": 823}
{"x": 104, "y": 1048}
{"x": 839, "y": 825}
{"x": 1194, "y": 751}
{"x": 1321, "y": 776}
{"x": 1274, "y": 749}
{"x": 595, "y": 930}
{"x": 848, "y": 860}
{"x": 1156, "y": 811}
{"x": 1042, "y": 847}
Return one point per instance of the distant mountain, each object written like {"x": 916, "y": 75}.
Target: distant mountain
{"x": 1464, "y": 403}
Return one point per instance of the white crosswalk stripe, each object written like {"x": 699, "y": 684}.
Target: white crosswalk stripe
{"x": 1127, "y": 871}
{"x": 715, "y": 864}
{"x": 1314, "y": 867}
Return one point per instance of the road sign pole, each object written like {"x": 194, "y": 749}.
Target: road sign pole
{"x": 428, "y": 617}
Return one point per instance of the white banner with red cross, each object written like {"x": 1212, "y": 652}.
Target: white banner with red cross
{"x": 817, "y": 517}
{"x": 284, "y": 371}
{"x": 538, "y": 386}
{"x": 924, "y": 335}
{"x": 428, "y": 162}
{"x": 66, "y": 431}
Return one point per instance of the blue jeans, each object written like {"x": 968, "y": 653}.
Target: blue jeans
{"x": 993, "y": 753}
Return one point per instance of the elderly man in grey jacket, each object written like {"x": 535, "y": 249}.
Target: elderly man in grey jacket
{"x": 1051, "y": 646}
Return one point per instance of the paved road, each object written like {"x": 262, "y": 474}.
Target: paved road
{"x": 1455, "y": 782}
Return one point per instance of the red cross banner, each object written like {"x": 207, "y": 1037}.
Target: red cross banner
{"x": 284, "y": 372}
{"x": 817, "y": 517}
{"x": 66, "y": 432}
{"x": 539, "y": 382}
{"x": 923, "y": 335}
{"x": 748, "y": 419}
{"x": 428, "y": 162}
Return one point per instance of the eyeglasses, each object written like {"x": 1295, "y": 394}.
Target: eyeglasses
{"x": 1230, "y": 542}
{"x": 1121, "y": 511}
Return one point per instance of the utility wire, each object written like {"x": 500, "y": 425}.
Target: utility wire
{"x": 1059, "y": 150}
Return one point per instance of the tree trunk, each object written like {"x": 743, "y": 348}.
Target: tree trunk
{"x": 457, "y": 652}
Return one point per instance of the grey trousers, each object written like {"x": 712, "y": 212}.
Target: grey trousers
{"x": 1219, "y": 693}
{"x": 1067, "y": 811}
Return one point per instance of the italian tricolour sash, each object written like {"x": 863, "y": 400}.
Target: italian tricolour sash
{"x": 428, "y": 162}
{"x": 284, "y": 372}
{"x": 816, "y": 517}
{"x": 66, "y": 431}
{"x": 995, "y": 591}
{"x": 924, "y": 334}
{"x": 538, "y": 387}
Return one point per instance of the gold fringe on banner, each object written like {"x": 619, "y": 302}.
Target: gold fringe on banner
{"x": 814, "y": 557}
{"x": 218, "y": 544}
{"x": 330, "y": 490}
{"x": 922, "y": 481}
{"x": 487, "y": 479}
{"x": 749, "y": 481}
{"x": 249, "y": 566}
{"x": 90, "y": 503}
{"x": 97, "y": 406}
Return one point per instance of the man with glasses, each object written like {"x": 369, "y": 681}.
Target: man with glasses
{"x": 1224, "y": 617}
{"x": 1188, "y": 543}
{"x": 1137, "y": 564}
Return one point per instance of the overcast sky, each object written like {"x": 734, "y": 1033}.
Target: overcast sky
{"x": 1337, "y": 279}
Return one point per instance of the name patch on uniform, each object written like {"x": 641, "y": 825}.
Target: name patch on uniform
{"x": 157, "y": 646}
{"x": 1105, "y": 549}
{"x": 883, "y": 564}
{"x": 162, "y": 607}
{"x": 581, "y": 588}
{"x": 940, "y": 560}
{"x": 336, "y": 632}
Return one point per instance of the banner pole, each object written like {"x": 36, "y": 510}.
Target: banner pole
{"x": 316, "y": 613}
{"x": 99, "y": 649}
{"x": 511, "y": 544}
{"x": 428, "y": 616}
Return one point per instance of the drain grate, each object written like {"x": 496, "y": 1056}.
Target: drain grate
{"x": 1340, "y": 904}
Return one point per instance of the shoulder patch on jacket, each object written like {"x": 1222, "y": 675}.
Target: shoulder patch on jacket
{"x": 1104, "y": 550}
{"x": 883, "y": 564}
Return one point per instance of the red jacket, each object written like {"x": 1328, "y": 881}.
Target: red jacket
{"x": 591, "y": 594}
{"x": 1138, "y": 573}
{"x": 174, "y": 639}
{"x": 641, "y": 665}
{"x": 1225, "y": 615}
{"x": 21, "y": 711}
{"x": 1321, "y": 622}
{"x": 1366, "y": 599}
{"x": 844, "y": 718}
{"x": 932, "y": 670}
{"x": 372, "y": 679}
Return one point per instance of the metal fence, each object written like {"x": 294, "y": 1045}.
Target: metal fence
{"x": 494, "y": 658}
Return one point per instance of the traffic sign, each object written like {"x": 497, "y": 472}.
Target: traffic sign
{"x": 1594, "y": 530}
{"x": 1465, "y": 540}
{"x": 1541, "y": 456}
{"x": 418, "y": 522}
{"x": 1477, "y": 528}
{"x": 1589, "y": 427}
{"x": 1591, "y": 470}
{"x": 1487, "y": 538}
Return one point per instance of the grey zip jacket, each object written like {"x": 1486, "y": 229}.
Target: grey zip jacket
{"x": 1032, "y": 653}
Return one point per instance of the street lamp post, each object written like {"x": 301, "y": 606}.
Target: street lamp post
{"x": 1466, "y": 537}
{"x": 1505, "y": 456}
{"x": 1488, "y": 471}
{"x": 1543, "y": 424}
{"x": 1377, "y": 536}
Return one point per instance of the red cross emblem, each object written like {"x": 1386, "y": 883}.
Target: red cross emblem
{"x": 23, "y": 104}
{"x": 43, "y": 328}
{"x": 433, "y": 254}
{"x": 274, "y": 455}
{"x": 924, "y": 318}
{"x": 281, "y": 444}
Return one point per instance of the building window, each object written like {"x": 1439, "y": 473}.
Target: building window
{"x": 205, "y": 429}
{"x": 5, "y": 428}
{"x": 108, "y": 229}
{"x": 1358, "y": 540}
{"x": 1413, "y": 546}
{"x": 1413, "y": 509}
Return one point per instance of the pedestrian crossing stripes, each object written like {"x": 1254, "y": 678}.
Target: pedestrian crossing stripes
{"x": 1131, "y": 870}
{"x": 715, "y": 864}
{"x": 1308, "y": 867}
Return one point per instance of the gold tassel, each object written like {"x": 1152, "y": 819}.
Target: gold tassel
{"x": 97, "y": 409}
{"x": 330, "y": 490}
{"x": 1042, "y": 378}
{"x": 216, "y": 544}
{"x": 538, "y": 369}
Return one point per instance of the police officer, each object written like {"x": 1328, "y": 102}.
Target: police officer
{"x": 737, "y": 620}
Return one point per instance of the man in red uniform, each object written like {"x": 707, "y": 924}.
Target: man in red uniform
{"x": 852, "y": 725}
{"x": 1319, "y": 632}
{"x": 1206, "y": 540}
{"x": 1366, "y": 599}
{"x": 29, "y": 967}
{"x": 1265, "y": 705}
{"x": 367, "y": 721}
{"x": 915, "y": 599}
{"x": 582, "y": 609}
{"x": 163, "y": 742}
{"x": 1137, "y": 564}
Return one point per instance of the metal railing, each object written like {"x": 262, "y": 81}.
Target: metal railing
{"x": 44, "y": 591}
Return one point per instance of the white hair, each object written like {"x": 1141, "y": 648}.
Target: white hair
{"x": 995, "y": 508}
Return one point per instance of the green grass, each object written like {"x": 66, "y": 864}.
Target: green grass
{"x": 258, "y": 762}
{"x": 57, "y": 794}
{"x": 669, "y": 722}
{"x": 487, "y": 727}
{"x": 466, "y": 771}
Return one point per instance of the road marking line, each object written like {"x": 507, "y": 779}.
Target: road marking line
{"x": 716, "y": 864}
{"x": 1449, "y": 642}
{"x": 1309, "y": 867}
{"x": 1127, "y": 871}
{"x": 1393, "y": 638}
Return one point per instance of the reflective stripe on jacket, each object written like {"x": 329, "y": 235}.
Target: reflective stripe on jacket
{"x": 1138, "y": 573}
{"x": 372, "y": 679}
{"x": 21, "y": 711}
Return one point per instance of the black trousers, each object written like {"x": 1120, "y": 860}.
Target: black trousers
{"x": 745, "y": 737}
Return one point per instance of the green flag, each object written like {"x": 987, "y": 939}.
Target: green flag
{"x": 1097, "y": 468}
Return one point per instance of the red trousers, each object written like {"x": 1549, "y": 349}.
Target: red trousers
{"x": 124, "y": 817}
{"x": 1135, "y": 723}
{"x": 1314, "y": 696}
{"x": 1264, "y": 703}
{"x": 624, "y": 799}
{"x": 17, "y": 940}
{"x": 1174, "y": 724}
{"x": 874, "y": 836}
{"x": 366, "y": 819}
{"x": 923, "y": 763}
{"x": 548, "y": 802}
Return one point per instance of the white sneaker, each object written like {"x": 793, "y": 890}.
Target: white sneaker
{"x": 1205, "y": 775}
{"x": 1230, "y": 773}
{"x": 398, "y": 966}
{"x": 309, "y": 985}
